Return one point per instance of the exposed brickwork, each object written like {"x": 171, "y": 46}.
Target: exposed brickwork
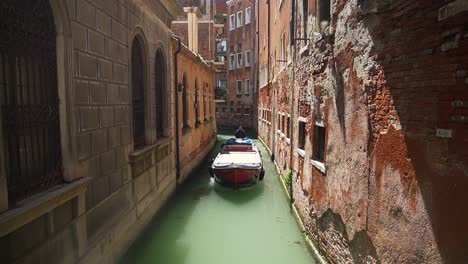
{"x": 389, "y": 83}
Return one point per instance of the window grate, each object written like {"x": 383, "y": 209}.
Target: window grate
{"x": 29, "y": 98}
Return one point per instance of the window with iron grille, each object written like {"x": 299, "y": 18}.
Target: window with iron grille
{"x": 138, "y": 94}
{"x": 319, "y": 143}
{"x": 29, "y": 99}
{"x": 160, "y": 83}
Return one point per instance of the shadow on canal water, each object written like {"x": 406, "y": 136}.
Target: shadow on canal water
{"x": 240, "y": 196}
{"x": 206, "y": 223}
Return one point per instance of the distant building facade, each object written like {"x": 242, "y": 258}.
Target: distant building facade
{"x": 89, "y": 142}
{"x": 238, "y": 108}
{"x": 366, "y": 114}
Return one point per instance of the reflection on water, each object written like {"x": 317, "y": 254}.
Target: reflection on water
{"x": 206, "y": 223}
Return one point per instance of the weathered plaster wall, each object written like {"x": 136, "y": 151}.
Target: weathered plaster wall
{"x": 390, "y": 83}
{"x": 197, "y": 139}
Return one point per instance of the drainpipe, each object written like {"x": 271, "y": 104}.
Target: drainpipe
{"x": 176, "y": 98}
{"x": 269, "y": 85}
{"x": 291, "y": 123}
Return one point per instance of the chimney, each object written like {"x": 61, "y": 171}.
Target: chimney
{"x": 192, "y": 17}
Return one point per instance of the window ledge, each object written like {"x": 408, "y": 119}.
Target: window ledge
{"x": 39, "y": 204}
{"x": 136, "y": 155}
{"x": 288, "y": 141}
{"x": 304, "y": 49}
{"x": 319, "y": 165}
{"x": 301, "y": 152}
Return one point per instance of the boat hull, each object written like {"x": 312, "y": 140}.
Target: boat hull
{"x": 237, "y": 177}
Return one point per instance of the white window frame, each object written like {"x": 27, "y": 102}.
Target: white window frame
{"x": 239, "y": 91}
{"x": 248, "y": 14}
{"x": 239, "y": 60}
{"x": 232, "y": 22}
{"x": 247, "y": 86}
{"x": 247, "y": 58}
{"x": 232, "y": 61}
{"x": 239, "y": 19}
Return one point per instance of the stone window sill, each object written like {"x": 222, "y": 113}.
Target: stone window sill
{"x": 301, "y": 152}
{"x": 39, "y": 204}
{"x": 136, "y": 155}
{"x": 319, "y": 165}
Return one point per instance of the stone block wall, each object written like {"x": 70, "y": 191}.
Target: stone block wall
{"x": 112, "y": 190}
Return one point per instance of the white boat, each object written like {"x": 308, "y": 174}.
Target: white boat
{"x": 238, "y": 164}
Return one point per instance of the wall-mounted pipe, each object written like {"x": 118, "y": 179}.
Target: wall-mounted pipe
{"x": 176, "y": 99}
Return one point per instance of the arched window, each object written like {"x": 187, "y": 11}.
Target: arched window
{"x": 29, "y": 98}
{"x": 138, "y": 94}
{"x": 184, "y": 102}
{"x": 195, "y": 105}
{"x": 160, "y": 83}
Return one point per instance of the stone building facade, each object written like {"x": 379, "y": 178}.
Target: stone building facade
{"x": 375, "y": 104}
{"x": 89, "y": 137}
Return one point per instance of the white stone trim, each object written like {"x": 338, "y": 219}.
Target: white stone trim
{"x": 319, "y": 165}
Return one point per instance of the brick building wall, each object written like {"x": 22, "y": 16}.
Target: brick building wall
{"x": 388, "y": 85}
{"x": 239, "y": 105}
{"x": 111, "y": 190}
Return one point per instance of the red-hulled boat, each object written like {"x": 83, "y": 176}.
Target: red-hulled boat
{"x": 238, "y": 164}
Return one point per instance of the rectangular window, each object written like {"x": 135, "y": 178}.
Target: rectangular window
{"x": 283, "y": 49}
{"x": 247, "y": 15}
{"x": 224, "y": 109}
{"x": 305, "y": 18}
{"x": 239, "y": 87}
{"x": 302, "y": 135}
{"x": 324, "y": 14}
{"x": 319, "y": 143}
{"x": 239, "y": 19}
{"x": 247, "y": 111}
{"x": 232, "y": 22}
{"x": 247, "y": 58}
{"x": 231, "y": 110}
{"x": 239, "y": 60}
{"x": 247, "y": 86}
{"x": 288, "y": 128}
{"x": 217, "y": 110}
{"x": 232, "y": 62}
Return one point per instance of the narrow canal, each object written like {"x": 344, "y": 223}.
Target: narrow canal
{"x": 206, "y": 223}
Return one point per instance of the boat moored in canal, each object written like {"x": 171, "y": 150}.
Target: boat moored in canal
{"x": 238, "y": 164}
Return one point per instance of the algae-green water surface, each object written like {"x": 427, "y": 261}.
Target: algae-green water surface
{"x": 205, "y": 223}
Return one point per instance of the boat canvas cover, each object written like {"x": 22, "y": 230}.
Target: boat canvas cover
{"x": 238, "y": 160}
{"x": 239, "y": 141}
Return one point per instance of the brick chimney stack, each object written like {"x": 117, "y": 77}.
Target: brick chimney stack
{"x": 192, "y": 17}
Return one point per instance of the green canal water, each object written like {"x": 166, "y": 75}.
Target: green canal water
{"x": 205, "y": 223}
